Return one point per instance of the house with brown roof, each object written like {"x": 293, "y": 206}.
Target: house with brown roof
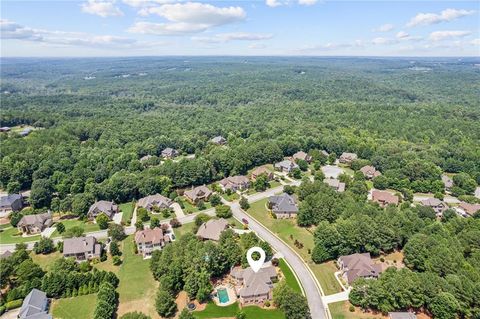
{"x": 358, "y": 265}
{"x": 149, "y": 240}
{"x": 466, "y": 209}
{"x": 301, "y": 155}
{"x": 234, "y": 183}
{"x": 285, "y": 166}
{"x": 197, "y": 194}
{"x": 102, "y": 206}
{"x": 170, "y": 153}
{"x": 438, "y": 206}
{"x": 283, "y": 206}
{"x": 259, "y": 171}
{"x": 335, "y": 184}
{"x": 384, "y": 198}
{"x": 370, "y": 172}
{"x": 212, "y": 229}
{"x": 34, "y": 224}
{"x": 82, "y": 248}
{"x": 157, "y": 200}
{"x": 347, "y": 158}
{"x": 254, "y": 288}
{"x": 447, "y": 181}
{"x": 401, "y": 315}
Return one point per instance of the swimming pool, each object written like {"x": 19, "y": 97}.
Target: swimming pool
{"x": 223, "y": 295}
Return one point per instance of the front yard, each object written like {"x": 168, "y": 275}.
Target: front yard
{"x": 10, "y": 235}
{"x": 69, "y": 223}
{"x": 81, "y": 307}
{"x": 289, "y": 276}
{"x": 190, "y": 208}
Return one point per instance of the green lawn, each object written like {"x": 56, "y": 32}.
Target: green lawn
{"x": 69, "y": 223}
{"x": 189, "y": 208}
{"x": 81, "y": 307}
{"x": 289, "y": 276}
{"x": 10, "y": 235}
{"x": 274, "y": 184}
{"x": 46, "y": 261}
{"x": 137, "y": 286}
{"x": 127, "y": 210}
{"x": 182, "y": 230}
{"x": 285, "y": 228}
{"x": 253, "y": 312}
{"x": 231, "y": 197}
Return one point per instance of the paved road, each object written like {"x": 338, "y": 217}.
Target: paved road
{"x": 312, "y": 291}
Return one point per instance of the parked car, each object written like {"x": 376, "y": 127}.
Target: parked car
{"x": 245, "y": 221}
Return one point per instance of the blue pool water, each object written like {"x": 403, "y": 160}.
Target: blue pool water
{"x": 223, "y": 295}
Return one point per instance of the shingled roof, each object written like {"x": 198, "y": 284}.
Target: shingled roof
{"x": 283, "y": 203}
{"x": 35, "y": 306}
{"x": 212, "y": 229}
{"x": 39, "y": 220}
{"x": 255, "y": 283}
{"x": 154, "y": 200}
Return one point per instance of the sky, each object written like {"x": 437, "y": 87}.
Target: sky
{"x": 89, "y": 28}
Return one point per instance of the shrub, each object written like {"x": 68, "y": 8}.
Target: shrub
{"x": 2, "y": 310}
{"x": 60, "y": 228}
{"x": 14, "y": 304}
{"x": 201, "y": 205}
{"x": 43, "y": 246}
{"x": 244, "y": 203}
{"x": 267, "y": 303}
{"x": 223, "y": 211}
{"x": 154, "y": 222}
{"x": 175, "y": 223}
{"x": 84, "y": 266}
{"x": 114, "y": 249}
{"x": 351, "y": 308}
{"x": 116, "y": 260}
{"x": 240, "y": 315}
{"x": 102, "y": 221}
{"x": 215, "y": 200}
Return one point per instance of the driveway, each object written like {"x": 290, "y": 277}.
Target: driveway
{"x": 341, "y": 296}
{"x": 117, "y": 218}
{"x": 308, "y": 281}
{"x": 178, "y": 210}
{"x": 47, "y": 232}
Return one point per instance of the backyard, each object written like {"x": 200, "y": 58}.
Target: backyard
{"x": 127, "y": 210}
{"x": 46, "y": 261}
{"x": 81, "y": 307}
{"x": 252, "y": 312}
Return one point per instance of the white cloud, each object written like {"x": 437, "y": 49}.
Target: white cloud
{"x": 475, "y": 42}
{"x": 382, "y": 41}
{"x": 12, "y": 30}
{"x": 402, "y": 35}
{"x": 384, "y": 28}
{"x": 187, "y": 18}
{"x": 145, "y": 3}
{"x": 101, "y": 8}
{"x": 257, "y": 46}
{"x": 434, "y": 18}
{"x": 442, "y": 35}
{"x": 241, "y": 36}
{"x": 307, "y": 2}
{"x": 278, "y": 3}
{"x": 274, "y": 3}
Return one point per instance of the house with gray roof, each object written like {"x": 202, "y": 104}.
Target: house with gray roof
{"x": 212, "y": 229}
{"x": 234, "y": 183}
{"x": 358, "y": 265}
{"x": 34, "y": 224}
{"x": 438, "y": 206}
{"x": 283, "y": 206}
{"x": 10, "y": 203}
{"x": 447, "y": 181}
{"x": 157, "y": 200}
{"x": 402, "y": 315}
{"x": 197, "y": 194}
{"x": 285, "y": 166}
{"x": 102, "y": 206}
{"x": 26, "y": 131}
{"x": 347, "y": 158}
{"x": 170, "y": 153}
{"x": 335, "y": 184}
{"x": 254, "y": 287}
{"x": 35, "y": 306}
{"x": 82, "y": 248}
{"x": 219, "y": 140}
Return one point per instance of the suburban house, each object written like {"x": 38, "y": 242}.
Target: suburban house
{"x": 358, "y": 265}
{"x": 148, "y": 240}
{"x": 212, "y": 229}
{"x": 370, "y": 172}
{"x": 261, "y": 170}
{"x": 34, "y": 224}
{"x": 234, "y": 183}
{"x": 347, "y": 158}
{"x": 466, "y": 209}
{"x": 10, "y": 203}
{"x": 283, "y": 206}
{"x": 102, "y": 206}
{"x": 219, "y": 140}
{"x": 254, "y": 287}
{"x": 384, "y": 198}
{"x": 4, "y": 129}
{"x": 301, "y": 155}
{"x": 35, "y": 306}
{"x": 170, "y": 153}
{"x": 81, "y": 248}
{"x": 145, "y": 158}
{"x": 6, "y": 254}
{"x": 447, "y": 181}
{"x": 335, "y": 184}
{"x": 156, "y": 200}
{"x": 26, "y": 131}
{"x": 285, "y": 166}
{"x": 402, "y": 315}
{"x": 438, "y": 206}
{"x": 198, "y": 193}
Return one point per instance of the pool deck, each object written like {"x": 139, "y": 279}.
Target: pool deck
{"x": 232, "y": 296}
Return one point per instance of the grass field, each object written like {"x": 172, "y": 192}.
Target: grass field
{"x": 81, "y": 307}
{"x": 289, "y": 276}
{"x": 69, "y": 223}
{"x": 182, "y": 230}
{"x": 46, "y": 261}
{"x": 9, "y": 235}
{"x": 253, "y": 312}
{"x": 189, "y": 208}
{"x": 286, "y": 228}
{"x": 127, "y": 210}
{"x": 231, "y": 197}
{"x": 137, "y": 286}
{"x": 340, "y": 310}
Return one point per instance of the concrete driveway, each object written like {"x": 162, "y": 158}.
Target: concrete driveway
{"x": 178, "y": 210}
{"x": 47, "y": 232}
{"x": 341, "y": 296}
{"x": 117, "y": 218}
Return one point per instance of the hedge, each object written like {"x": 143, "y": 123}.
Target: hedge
{"x": 13, "y": 304}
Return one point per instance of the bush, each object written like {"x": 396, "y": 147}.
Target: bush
{"x": 175, "y": 223}
{"x": 116, "y": 232}
{"x": 102, "y": 221}
{"x": 201, "y": 205}
{"x": 2, "y": 310}
{"x": 351, "y": 308}
{"x": 114, "y": 249}
{"x": 240, "y": 315}
{"x": 244, "y": 203}
{"x": 75, "y": 231}
{"x": 215, "y": 200}
{"x": 60, "y": 228}
{"x": 267, "y": 303}
{"x": 116, "y": 260}
{"x": 154, "y": 222}
{"x": 43, "y": 246}
{"x": 223, "y": 211}
{"x": 13, "y": 304}
{"x": 84, "y": 266}
{"x": 15, "y": 218}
